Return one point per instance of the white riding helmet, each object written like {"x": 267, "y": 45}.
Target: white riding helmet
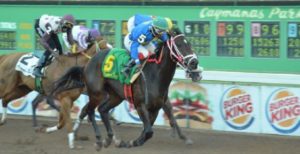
{"x": 55, "y": 23}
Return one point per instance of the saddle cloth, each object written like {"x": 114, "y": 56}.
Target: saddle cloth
{"x": 26, "y": 64}
{"x": 114, "y": 62}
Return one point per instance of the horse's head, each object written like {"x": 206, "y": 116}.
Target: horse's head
{"x": 181, "y": 52}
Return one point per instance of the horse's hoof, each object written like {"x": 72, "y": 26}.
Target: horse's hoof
{"x": 120, "y": 144}
{"x": 189, "y": 142}
{"x": 98, "y": 146}
{"x": 107, "y": 142}
{"x": 130, "y": 144}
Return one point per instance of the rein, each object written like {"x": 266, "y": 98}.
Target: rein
{"x": 88, "y": 56}
{"x": 154, "y": 60}
{"x": 176, "y": 55}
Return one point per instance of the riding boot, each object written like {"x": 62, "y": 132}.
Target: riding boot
{"x": 128, "y": 67}
{"x": 41, "y": 63}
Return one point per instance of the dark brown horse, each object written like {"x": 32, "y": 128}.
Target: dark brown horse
{"x": 14, "y": 84}
{"x": 150, "y": 90}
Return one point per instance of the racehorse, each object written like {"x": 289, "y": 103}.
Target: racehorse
{"x": 150, "y": 90}
{"x": 15, "y": 85}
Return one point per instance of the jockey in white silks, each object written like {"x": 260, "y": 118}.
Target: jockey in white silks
{"x": 47, "y": 28}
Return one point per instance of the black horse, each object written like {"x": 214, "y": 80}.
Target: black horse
{"x": 150, "y": 90}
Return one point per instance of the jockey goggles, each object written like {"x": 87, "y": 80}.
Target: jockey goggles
{"x": 158, "y": 31}
{"x": 66, "y": 25}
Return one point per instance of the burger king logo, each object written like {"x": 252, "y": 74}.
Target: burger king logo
{"x": 18, "y": 105}
{"x": 283, "y": 111}
{"x": 237, "y": 108}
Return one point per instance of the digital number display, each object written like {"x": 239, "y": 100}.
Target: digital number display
{"x": 7, "y": 40}
{"x": 265, "y": 39}
{"x": 107, "y": 29}
{"x": 124, "y": 31}
{"x": 81, "y": 22}
{"x": 293, "y": 44}
{"x": 230, "y": 40}
{"x": 198, "y": 32}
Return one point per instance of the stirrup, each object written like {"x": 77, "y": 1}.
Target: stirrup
{"x": 38, "y": 73}
{"x": 126, "y": 72}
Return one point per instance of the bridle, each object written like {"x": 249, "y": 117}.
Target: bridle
{"x": 177, "y": 56}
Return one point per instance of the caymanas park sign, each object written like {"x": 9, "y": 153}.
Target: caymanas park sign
{"x": 248, "y": 13}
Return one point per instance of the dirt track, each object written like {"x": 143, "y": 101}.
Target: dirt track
{"x": 18, "y": 137}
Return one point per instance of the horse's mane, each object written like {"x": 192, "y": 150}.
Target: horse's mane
{"x": 174, "y": 31}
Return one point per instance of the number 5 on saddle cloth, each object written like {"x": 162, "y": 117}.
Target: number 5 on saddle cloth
{"x": 114, "y": 62}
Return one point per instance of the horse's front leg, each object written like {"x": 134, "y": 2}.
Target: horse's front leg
{"x": 4, "y": 113}
{"x": 167, "y": 107}
{"x": 147, "y": 131}
{"x": 64, "y": 119}
{"x": 38, "y": 99}
{"x": 16, "y": 93}
{"x": 82, "y": 115}
{"x": 36, "y": 102}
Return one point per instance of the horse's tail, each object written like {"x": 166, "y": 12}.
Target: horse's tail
{"x": 72, "y": 79}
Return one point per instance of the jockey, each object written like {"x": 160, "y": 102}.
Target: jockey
{"x": 136, "y": 20}
{"x": 140, "y": 41}
{"x": 47, "y": 28}
{"x": 83, "y": 38}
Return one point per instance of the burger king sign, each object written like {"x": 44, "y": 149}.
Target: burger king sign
{"x": 283, "y": 110}
{"x": 237, "y": 108}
